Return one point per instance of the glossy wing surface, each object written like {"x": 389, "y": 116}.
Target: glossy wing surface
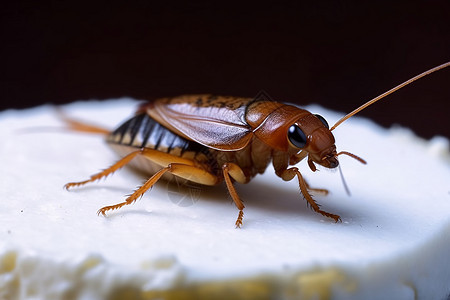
{"x": 216, "y": 122}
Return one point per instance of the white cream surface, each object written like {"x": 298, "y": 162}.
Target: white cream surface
{"x": 393, "y": 242}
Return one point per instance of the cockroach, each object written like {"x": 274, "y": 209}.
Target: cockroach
{"x": 209, "y": 139}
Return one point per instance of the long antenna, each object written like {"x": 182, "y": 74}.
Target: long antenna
{"x": 368, "y": 103}
{"x": 343, "y": 181}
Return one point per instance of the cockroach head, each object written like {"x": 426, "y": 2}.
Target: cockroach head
{"x": 311, "y": 134}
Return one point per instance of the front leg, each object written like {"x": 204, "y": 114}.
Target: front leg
{"x": 289, "y": 174}
{"x": 295, "y": 159}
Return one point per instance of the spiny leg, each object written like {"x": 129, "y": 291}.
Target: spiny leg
{"x": 120, "y": 164}
{"x": 233, "y": 170}
{"x": 289, "y": 174}
{"x": 137, "y": 194}
{"x": 189, "y": 172}
{"x": 158, "y": 157}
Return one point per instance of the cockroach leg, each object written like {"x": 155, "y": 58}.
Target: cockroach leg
{"x": 191, "y": 173}
{"x": 160, "y": 158}
{"x": 289, "y": 174}
{"x": 233, "y": 170}
{"x": 137, "y": 194}
{"x": 120, "y": 164}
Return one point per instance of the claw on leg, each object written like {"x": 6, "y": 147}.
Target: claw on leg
{"x": 239, "y": 219}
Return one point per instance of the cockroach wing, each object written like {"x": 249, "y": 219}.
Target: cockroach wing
{"x": 221, "y": 128}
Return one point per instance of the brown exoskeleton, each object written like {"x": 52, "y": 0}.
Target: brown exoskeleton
{"x": 209, "y": 139}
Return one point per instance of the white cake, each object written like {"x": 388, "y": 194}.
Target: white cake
{"x": 393, "y": 242}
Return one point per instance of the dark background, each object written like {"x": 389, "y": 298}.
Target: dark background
{"x": 336, "y": 54}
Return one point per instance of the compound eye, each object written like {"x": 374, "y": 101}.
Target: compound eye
{"x": 296, "y": 136}
{"x": 324, "y": 122}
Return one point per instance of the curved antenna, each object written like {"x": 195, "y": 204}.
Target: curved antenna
{"x": 368, "y": 103}
{"x": 352, "y": 156}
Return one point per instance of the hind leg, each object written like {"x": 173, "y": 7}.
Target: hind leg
{"x": 191, "y": 173}
{"x": 158, "y": 157}
{"x": 178, "y": 166}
